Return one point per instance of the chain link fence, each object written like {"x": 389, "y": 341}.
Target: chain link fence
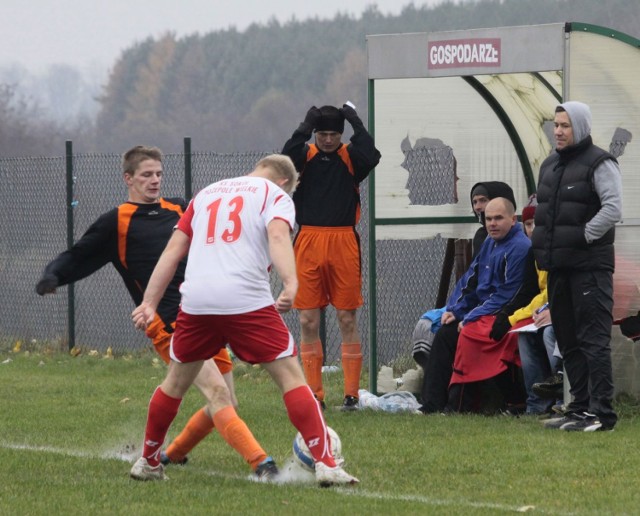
{"x": 34, "y": 231}
{"x": 33, "y": 207}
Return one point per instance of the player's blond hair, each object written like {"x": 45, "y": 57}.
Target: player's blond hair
{"x": 282, "y": 167}
{"x": 133, "y": 157}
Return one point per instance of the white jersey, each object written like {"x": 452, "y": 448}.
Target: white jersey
{"x": 228, "y": 264}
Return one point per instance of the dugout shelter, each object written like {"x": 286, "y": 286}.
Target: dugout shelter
{"x": 449, "y": 109}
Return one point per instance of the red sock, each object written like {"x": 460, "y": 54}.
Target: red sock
{"x": 306, "y": 415}
{"x": 162, "y": 412}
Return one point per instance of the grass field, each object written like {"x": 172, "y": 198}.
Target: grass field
{"x": 71, "y": 427}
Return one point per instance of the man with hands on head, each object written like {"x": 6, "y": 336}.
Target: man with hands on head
{"x": 327, "y": 245}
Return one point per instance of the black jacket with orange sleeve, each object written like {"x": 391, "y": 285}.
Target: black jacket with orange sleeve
{"x": 132, "y": 237}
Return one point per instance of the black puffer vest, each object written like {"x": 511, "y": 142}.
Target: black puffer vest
{"x": 566, "y": 202}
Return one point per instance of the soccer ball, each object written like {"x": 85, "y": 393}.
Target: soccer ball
{"x": 303, "y": 456}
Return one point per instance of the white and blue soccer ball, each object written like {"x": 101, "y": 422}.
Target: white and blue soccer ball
{"x": 303, "y": 457}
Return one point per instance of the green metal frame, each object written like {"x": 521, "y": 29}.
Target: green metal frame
{"x": 71, "y": 298}
{"x": 373, "y": 297}
{"x": 602, "y": 31}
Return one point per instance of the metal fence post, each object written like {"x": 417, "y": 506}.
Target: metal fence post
{"x": 188, "y": 186}
{"x": 71, "y": 301}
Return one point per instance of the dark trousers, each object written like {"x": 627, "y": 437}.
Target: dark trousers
{"x": 439, "y": 368}
{"x": 581, "y": 304}
{"x": 504, "y": 391}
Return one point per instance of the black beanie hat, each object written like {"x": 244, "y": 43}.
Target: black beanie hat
{"x": 332, "y": 119}
{"x": 496, "y": 189}
{"x": 479, "y": 189}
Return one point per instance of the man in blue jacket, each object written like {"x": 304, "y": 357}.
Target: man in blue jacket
{"x": 497, "y": 274}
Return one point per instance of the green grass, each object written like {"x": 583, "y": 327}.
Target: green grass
{"x": 66, "y": 424}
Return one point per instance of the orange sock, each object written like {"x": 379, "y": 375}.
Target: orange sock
{"x": 236, "y": 432}
{"x": 351, "y": 366}
{"x": 199, "y": 426}
{"x": 311, "y": 355}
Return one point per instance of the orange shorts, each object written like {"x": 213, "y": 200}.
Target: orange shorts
{"x": 328, "y": 265}
{"x": 162, "y": 342}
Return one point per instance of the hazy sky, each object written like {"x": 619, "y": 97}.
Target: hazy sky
{"x": 92, "y": 33}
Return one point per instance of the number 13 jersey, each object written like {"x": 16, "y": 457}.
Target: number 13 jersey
{"x": 228, "y": 263}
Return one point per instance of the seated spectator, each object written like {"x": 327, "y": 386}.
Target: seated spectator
{"x": 536, "y": 348}
{"x": 552, "y": 387}
{"x": 429, "y": 323}
{"x": 495, "y": 277}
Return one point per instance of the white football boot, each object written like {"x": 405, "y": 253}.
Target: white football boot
{"x": 326, "y": 476}
{"x": 141, "y": 470}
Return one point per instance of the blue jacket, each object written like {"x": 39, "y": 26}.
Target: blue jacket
{"x": 498, "y": 273}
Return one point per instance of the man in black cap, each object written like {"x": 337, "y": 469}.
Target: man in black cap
{"x": 327, "y": 245}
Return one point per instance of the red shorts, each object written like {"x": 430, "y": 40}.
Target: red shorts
{"x": 328, "y": 265}
{"x": 162, "y": 340}
{"x": 255, "y": 337}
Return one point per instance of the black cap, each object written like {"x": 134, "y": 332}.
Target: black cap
{"x": 332, "y": 119}
{"x": 494, "y": 189}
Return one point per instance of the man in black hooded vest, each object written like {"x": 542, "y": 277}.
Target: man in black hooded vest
{"x": 579, "y": 202}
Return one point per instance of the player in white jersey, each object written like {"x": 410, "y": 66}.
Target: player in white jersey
{"x": 228, "y": 267}
{"x": 232, "y": 231}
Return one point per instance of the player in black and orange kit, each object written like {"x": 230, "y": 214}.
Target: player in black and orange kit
{"x": 132, "y": 237}
{"x": 327, "y": 245}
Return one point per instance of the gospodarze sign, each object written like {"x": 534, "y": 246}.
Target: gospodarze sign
{"x": 464, "y": 53}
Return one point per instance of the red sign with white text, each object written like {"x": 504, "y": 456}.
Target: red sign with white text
{"x": 464, "y": 53}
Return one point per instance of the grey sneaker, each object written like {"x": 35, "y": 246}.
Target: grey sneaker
{"x": 590, "y": 423}
{"x": 550, "y": 389}
{"x": 267, "y": 471}
{"x": 326, "y": 476}
{"x": 141, "y": 470}
{"x": 556, "y": 422}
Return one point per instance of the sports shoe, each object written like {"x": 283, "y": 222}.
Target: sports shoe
{"x": 141, "y": 470}
{"x": 556, "y": 422}
{"x": 267, "y": 470}
{"x": 323, "y": 405}
{"x": 551, "y": 389}
{"x": 336, "y": 476}
{"x": 589, "y": 423}
{"x": 554, "y": 412}
{"x": 165, "y": 460}
{"x": 350, "y": 403}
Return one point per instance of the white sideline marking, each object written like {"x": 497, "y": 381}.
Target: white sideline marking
{"x": 123, "y": 456}
{"x": 130, "y": 456}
